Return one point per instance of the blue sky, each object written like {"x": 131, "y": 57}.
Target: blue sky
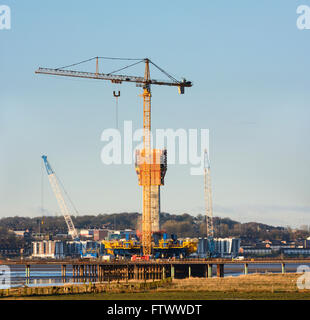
{"x": 250, "y": 68}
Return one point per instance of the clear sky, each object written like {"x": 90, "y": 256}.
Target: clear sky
{"x": 250, "y": 68}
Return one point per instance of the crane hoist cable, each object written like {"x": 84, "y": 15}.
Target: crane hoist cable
{"x": 116, "y": 95}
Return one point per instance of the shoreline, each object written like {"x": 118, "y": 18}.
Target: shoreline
{"x": 245, "y": 287}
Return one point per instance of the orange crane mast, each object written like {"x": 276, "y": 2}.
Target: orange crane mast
{"x": 149, "y": 163}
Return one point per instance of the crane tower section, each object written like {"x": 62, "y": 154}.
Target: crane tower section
{"x": 157, "y": 168}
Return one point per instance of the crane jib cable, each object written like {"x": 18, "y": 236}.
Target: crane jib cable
{"x": 87, "y": 60}
{"x": 66, "y": 193}
{"x": 131, "y": 65}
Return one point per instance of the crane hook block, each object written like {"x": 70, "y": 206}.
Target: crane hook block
{"x": 116, "y": 95}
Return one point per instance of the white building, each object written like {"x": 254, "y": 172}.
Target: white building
{"x": 227, "y": 246}
{"x": 48, "y": 249}
{"x": 221, "y": 246}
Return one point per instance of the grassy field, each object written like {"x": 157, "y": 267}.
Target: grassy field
{"x": 255, "y": 286}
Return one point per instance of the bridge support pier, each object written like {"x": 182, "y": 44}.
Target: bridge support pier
{"x": 172, "y": 272}
{"x": 246, "y": 268}
{"x": 220, "y": 270}
{"x": 209, "y": 270}
{"x": 283, "y": 267}
{"x": 135, "y": 272}
{"x": 189, "y": 271}
{"x": 64, "y": 270}
{"x": 27, "y": 271}
{"x": 164, "y": 272}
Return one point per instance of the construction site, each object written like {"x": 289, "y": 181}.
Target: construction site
{"x": 149, "y": 241}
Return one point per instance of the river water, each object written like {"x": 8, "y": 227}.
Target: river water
{"x": 49, "y": 275}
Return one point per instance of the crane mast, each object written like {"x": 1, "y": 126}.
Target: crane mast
{"x": 60, "y": 199}
{"x": 146, "y": 208}
{"x": 151, "y": 164}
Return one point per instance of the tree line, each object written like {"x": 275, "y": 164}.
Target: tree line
{"x": 184, "y": 225}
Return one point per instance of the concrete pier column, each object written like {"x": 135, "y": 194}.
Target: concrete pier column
{"x": 172, "y": 272}
{"x": 283, "y": 267}
{"x": 135, "y": 272}
{"x": 100, "y": 272}
{"x": 164, "y": 272}
{"x": 64, "y": 270}
{"x": 246, "y": 268}
{"x": 189, "y": 271}
{"x": 220, "y": 270}
{"x": 127, "y": 273}
{"x": 205, "y": 271}
{"x": 209, "y": 270}
{"x": 27, "y": 270}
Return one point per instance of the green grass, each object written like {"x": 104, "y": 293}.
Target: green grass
{"x": 198, "y": 295}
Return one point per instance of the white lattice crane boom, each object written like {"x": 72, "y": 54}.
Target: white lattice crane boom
{"x": 60, "y": 199}
{"x": 208, "y": 196}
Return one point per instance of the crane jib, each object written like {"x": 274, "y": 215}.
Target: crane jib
{"x": 111, "y": 77}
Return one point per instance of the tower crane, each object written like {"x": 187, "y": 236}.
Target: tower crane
{"x": 151, "y": 175}
{"x": 208, "y": 202}
{"x": 60, "y": 199}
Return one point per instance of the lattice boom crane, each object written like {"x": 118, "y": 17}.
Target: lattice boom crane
{"x": 60, "y": 199}
{"x": 208, "y": 196}
{"x": 150, "y": 175}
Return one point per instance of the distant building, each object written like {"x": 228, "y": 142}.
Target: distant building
{"x": 100, "y": 234}
{"x": 307, "y": 243}
{"x": 19, "y": 233}
{"x": 221, "y": 246}
{"x": 87, "y": 233}
{"x": 227, "y": 246}
{"x": 296, "y": 252}
{"x": 256, "y": 251}
{"x": 121, "y": 234}
{"x": 48, "y": 249}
